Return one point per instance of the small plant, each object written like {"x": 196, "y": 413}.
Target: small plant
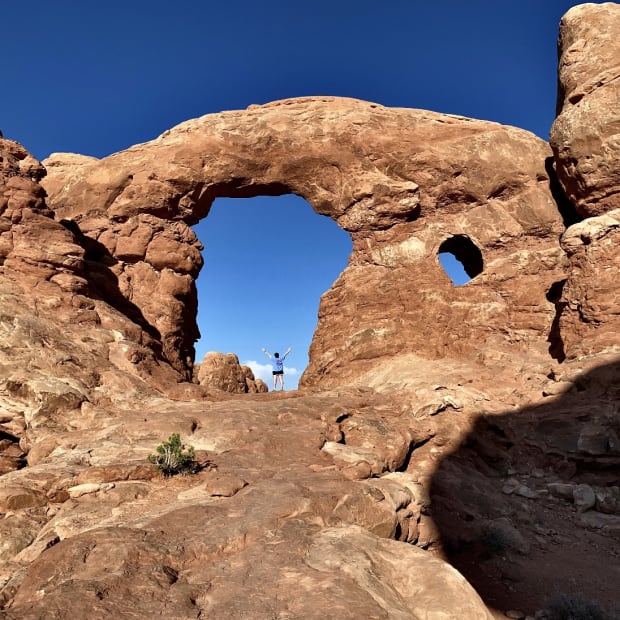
{"x": 494, "y": 541}
{"x": 504, "y": 471}
{"x": 173, "y": 457}
{"x": 574, "y": 607}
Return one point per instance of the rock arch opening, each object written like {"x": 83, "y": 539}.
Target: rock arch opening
{"x": 267, "y": 261}
{"x": 460, "y": 258}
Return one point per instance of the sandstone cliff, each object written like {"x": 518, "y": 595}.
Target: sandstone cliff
{"x": 474, "y": 427}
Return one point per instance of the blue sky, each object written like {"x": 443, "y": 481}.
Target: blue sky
{"x": 95, "y": 78}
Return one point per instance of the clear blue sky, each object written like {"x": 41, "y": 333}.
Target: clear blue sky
{"x": 97, "y": 77}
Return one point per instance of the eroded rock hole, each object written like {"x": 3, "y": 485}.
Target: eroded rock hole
{"x": 460, "y": 258}
{"x": 267, "y": 261}
{"x": 556, "y": 344}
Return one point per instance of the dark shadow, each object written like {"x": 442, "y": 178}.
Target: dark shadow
{"x": 565, "y": 206}
{"x": 12, "y": 457}
{"x": 103, "y": 282}
{"x": 556, "y": 344}
{"x": 504, "y": 500}
{"x": 410, "y": 216}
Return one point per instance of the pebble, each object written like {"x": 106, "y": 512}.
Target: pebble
{"x": 510, "y": 486}
{"x": 525, "y": 491}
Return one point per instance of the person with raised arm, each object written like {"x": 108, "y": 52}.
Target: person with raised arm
{"x": 278, "y": 367}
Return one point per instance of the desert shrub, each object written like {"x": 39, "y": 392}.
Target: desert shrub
{"x": 575, "y": 607}
{"x": 504, "y": 470}
{"x": 173, "y": 457}
{"x": 494, "y": 541}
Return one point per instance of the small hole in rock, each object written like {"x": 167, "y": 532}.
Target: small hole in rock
{"x": 460, "y": 258}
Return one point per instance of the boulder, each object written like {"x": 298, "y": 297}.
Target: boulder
{"x": 223, "y": 372}
{"x": 584, "y": 135}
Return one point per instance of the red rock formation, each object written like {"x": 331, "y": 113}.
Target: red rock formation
{"x": 590, "y": 305}
{"x": 402, "y": 182}
{"x": 53, "y": 271}
{"x": 463, "y": 420}
{"x": 33, "y": 247}
{"x": 222, "y": 371}
{"x": 584, "y": 136}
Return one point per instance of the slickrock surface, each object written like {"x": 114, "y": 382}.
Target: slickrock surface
{"x": 454, "y": 452}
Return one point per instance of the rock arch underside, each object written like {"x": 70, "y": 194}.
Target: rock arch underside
{"x": 434, "y": 423}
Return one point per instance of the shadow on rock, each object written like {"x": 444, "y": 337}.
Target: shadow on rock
{"x": 104, "y": 282}
{"x": 528, "y": 506}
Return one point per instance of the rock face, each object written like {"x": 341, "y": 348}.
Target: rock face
{"x": 474, "y": 427}
{"x": 222, "y": 371}
{"x": 584, "y": 136}
{"x": 589, "y": 305}
{"x": 401, "y": 182}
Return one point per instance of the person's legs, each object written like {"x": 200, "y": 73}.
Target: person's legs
{"x": 282, "y": 382}
{"x": 275, "y": 381}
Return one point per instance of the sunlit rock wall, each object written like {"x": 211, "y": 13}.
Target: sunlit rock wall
{"x": 402, "y": 182}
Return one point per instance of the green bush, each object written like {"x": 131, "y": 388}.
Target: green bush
{"x": 575, "y": 607}
{"x": 173, "y": 457}
{"x": 494, "y": 541}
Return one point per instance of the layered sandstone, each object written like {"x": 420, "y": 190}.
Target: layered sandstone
{"x": 82, "y": 388}
{"x": 584, "y": 136}
{"x": 585, "y": 140}
{"x": 401, "y": 182}
{"x": 476, "y": 425}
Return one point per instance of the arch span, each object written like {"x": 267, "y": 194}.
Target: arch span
{"x": 395, "y": 179}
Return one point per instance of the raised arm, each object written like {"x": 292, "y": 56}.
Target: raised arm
{"x": 266, "y": 353}
{"x": 287, "y": 352}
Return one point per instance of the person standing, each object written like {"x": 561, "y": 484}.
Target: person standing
{"x": 278, "y": 367}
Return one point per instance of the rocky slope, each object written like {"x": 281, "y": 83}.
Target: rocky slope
{"x": 474, "y": 427}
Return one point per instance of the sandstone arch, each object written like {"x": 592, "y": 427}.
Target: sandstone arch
{"x": 398, "y": 180}
{"x": 70, "y": 396}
